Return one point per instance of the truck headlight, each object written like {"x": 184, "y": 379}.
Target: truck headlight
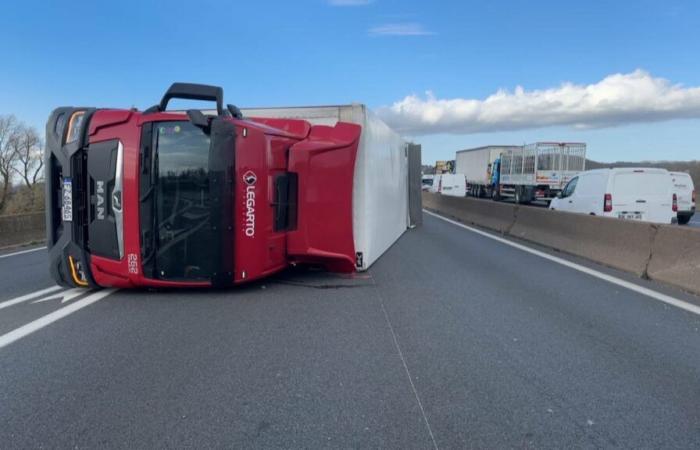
{"x": 74, "y": 126}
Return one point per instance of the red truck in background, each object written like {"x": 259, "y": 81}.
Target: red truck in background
{"x": 159, "y": 198}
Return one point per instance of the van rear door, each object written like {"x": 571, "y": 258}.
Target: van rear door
{"x": 642, "y": 194}
{"x": 683, "y": 187}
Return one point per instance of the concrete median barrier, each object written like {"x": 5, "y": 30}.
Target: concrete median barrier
{"x": 22, "y": 229}
{"x": 492, "y": 215}
{"x": 675, "y": 257}
{"x": 615, "y": 243}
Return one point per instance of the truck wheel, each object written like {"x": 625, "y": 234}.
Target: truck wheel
{"x": 683, "y": 220}
{"x": 518, "y": 195}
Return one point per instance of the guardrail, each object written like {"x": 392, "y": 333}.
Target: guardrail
{"x": 22, "y": 229}
{"x": 665, "y": 253}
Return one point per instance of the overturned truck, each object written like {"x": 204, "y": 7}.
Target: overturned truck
{"x": 192, "y": 198}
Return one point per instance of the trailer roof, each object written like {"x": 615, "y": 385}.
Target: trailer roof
{"x": 483, "y": 147}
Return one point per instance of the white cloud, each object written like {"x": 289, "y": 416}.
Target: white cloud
{"x": 399, "y": 29}
{"x": 349, "y": 2}
{"x": 618, "y": 99}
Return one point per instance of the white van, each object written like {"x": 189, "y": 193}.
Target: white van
{"x": 435, "y": 186}
{"x": 427, "y": 182}
{"x": 644, "y": 194}
{"x": 685, "y": 192}
{"x": 453, "y": 184}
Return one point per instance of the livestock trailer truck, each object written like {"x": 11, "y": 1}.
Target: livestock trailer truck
{"x": 162, "y": 198}
{"x": 524, "y": 173}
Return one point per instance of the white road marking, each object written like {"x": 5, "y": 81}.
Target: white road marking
{"x": 26, "y": 297}
{"x": 63, "y": 296}
{"x": 22, "y": 252}
{"x": 594, "y": 273}
{"x": 38, "y": 324}
{"x": 405, "y": 367}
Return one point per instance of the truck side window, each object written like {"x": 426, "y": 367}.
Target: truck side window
{"x": 569, "y": 188}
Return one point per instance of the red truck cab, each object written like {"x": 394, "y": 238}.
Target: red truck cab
{"x": 172, "y": 199}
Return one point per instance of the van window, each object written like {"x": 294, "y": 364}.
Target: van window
{"x": 642, "y": 183}
{"x": 570, "y": 187}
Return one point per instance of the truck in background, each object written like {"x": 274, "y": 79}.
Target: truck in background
{"x": 477, "y": 164}
{"x": 526, "y": 173}
{"x": 444, "y": 167}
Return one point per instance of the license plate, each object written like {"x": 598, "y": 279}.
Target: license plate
{"x": 630, "y": 216}
{"x": 67, "y": 196}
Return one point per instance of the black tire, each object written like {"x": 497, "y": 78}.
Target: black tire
{"x": 684, "y": 219}
{"x": 518, "y": 196}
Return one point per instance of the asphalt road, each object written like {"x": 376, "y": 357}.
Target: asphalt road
{"x": 695, "y": 220}
{"x": 451, "y": 340}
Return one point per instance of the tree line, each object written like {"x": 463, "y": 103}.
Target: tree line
{"x": 21, "y": 167}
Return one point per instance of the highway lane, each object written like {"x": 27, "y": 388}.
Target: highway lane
{"x": 23, "y": 272}
{"x": 451, "y": 340}
{"x": 695, "y": 221}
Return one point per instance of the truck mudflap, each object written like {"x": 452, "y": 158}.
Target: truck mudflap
{"x": 66, "y": 196}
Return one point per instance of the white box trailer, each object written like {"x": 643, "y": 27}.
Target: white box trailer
{"x": 477, "y": 165}
{"x": 383, "y": 207}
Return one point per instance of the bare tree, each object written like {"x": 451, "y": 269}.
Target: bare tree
{"x": 30, "y": 161}
{"x": 8, "y": 155}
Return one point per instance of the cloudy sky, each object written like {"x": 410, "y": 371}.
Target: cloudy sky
{"x": 623, "y": 76}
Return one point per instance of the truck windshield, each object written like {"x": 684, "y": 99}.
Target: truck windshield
{"x": 179, "y": 203}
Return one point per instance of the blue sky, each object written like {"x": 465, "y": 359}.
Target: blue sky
{"x": 386, "y": 54}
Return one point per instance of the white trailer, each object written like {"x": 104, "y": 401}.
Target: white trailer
{"x": 383, "y": 208}
{"x": 477, "y": 164}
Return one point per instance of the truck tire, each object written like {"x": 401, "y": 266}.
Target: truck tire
{"x": 683, "y": 219}
{"x": 518, "y": 195}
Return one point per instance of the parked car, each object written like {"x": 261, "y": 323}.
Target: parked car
{"x": 452, "y": 184}
{"x": 644, "y": 194}
{"x": 685, "y": 192}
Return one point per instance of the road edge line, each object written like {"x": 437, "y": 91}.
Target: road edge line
{"x": 22, "y": 252}
{"x": 587, "y": 270}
